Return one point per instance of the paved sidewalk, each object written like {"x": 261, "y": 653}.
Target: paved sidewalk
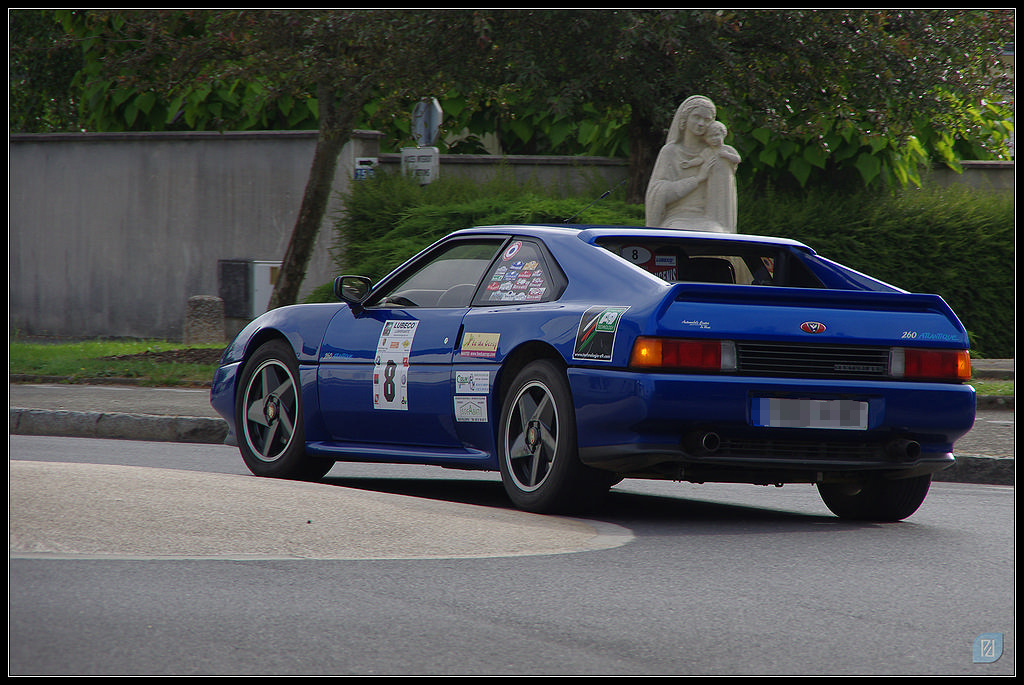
{"x": 185, "y": 415}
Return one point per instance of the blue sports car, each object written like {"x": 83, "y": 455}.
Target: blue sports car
{"x": 570, "y": 357}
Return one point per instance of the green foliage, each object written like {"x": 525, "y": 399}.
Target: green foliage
{"x": 849, "y": 153}
{"x": 521, "y": 122}
{"x": 41, "y": 67}
{"x": 128, "y": 102}
{"x": 953, "y": 242}
{"x": 968, "y": 130}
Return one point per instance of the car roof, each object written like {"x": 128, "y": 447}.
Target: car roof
{"x": 592, "y": 233}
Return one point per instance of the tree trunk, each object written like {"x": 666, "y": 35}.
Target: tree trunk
{"x": 330, "y": 140}
{"x": 644, "y": 144}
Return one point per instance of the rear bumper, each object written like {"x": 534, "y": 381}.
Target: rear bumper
{"x": 701, "y": 427}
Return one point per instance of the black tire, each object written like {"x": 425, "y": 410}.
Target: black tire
{"x": 268, "y": 416}
{"x": 537, "y": 448}
{"x": 875, "y": 499}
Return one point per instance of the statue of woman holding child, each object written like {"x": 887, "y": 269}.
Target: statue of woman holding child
{"x": 693, "y": 185}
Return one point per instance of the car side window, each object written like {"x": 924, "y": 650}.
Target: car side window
{"x": 447, "y": 278}
{"x": 523, "y": 273}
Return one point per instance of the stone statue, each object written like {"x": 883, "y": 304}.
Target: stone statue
{"x": 693, "y": 186}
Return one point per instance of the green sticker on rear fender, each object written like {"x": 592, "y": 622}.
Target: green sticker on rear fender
{"x": 595, "y": 338}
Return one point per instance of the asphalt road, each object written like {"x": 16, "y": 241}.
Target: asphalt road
{"x": 165, "y": 559}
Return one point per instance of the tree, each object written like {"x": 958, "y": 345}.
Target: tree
{"x": 41, "y": 69}
{"x": 339, "y": 59}
{"x": 798, "y": 84}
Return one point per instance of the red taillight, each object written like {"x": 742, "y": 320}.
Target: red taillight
{"x": 673, "y": 353}
{"x": 925, "y": 364}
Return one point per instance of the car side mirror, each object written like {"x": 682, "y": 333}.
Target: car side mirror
{"x": 352, "y": 289}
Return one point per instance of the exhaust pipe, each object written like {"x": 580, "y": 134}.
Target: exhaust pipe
{"x": 701, "y": 443}
{"x": 904, "y": 450}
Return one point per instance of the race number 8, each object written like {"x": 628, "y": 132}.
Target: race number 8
{"x": 389, "y": 380}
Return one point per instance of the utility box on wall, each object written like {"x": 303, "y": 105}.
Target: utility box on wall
{"x": 264, "y": 277}
{"x": 245, "y": 285}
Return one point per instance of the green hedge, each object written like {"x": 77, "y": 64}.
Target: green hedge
{"x": 956, "y": 243}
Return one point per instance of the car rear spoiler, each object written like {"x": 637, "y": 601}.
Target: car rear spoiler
{"x": 807, "y": 297}
{"x": 735, "y": 310}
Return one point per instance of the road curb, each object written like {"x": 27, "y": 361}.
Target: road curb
{"x": 120, "y": 426}
{"x": 980, "y": 470}
{"x": 995, "y": 402}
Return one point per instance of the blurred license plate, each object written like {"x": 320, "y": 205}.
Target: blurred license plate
{"x": 779, "y": 412}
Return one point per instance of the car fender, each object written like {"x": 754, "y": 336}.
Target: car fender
{"x": 301, "y": 325}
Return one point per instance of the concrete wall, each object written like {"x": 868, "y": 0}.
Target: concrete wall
{"x": 110, "y": 234}
{"x": 987, "y": 176}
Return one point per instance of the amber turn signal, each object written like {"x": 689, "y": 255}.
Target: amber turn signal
{"x": 675, "y": 353}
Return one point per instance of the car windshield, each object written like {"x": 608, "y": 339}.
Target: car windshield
{"x": 713, "y": 261}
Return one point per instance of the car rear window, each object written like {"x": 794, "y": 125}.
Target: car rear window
{"x": 714, "y": 261}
